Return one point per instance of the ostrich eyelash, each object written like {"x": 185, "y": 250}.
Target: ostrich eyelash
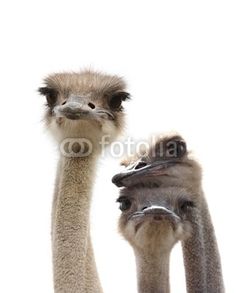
{"x": 122, "y": 198}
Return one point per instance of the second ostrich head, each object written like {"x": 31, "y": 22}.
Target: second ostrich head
{"x": 86, "y": 104}
{"x": 159, "y": 191}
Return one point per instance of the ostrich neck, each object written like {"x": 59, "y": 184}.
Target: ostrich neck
{"x": 153, "y": 271}
{"x": 213, "y": 263}
{"x": 73, "y": 261}
{"x": 194, "y": 256}
{"x": 201, "y": 256}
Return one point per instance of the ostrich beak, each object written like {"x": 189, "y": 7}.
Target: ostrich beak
{"x": 134, "y": 176}
{"x": 157, "y": 213}
{"x": 77, "y": 107}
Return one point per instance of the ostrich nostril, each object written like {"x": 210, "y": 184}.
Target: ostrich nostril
{"x": 140, "y": 165}
{"x": 91, "y": 105}
{"x": 63, "y": 103}
{"x": 144, "y": 208}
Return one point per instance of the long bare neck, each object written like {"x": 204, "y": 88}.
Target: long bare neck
{"x": 201, "y": 256}
{"x": 73, "y": 260}
{"x": 153, "y": 271}
{"x": 214, "y": 275}
{"x": 194, "y": 256}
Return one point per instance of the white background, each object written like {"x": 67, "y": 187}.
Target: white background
{"x": 179, "y": 60}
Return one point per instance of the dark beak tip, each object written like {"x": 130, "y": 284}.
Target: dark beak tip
{"x": 116, "y": 180}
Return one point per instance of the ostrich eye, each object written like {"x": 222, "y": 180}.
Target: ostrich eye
{"x": 125, "y": 203}
{"x": 186, "y": 204}
{"x": 181, "y": 148}
{"x": 116, "y": 99}
{"x": 50, "y": 94}
{"x": 176, "y": 148}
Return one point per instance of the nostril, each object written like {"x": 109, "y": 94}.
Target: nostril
{"x": 144, "y": 208}
{"x": 91, "y": 105}
{"x": 63, "y": 103}
{"x": 140, "y": 165}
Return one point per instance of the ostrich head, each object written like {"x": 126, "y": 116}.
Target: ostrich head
{"x": 166, "y": 163}
{"x": 86, "y": 104}
{"x": 154, "y": 217}
{"x": 160, "y": 188}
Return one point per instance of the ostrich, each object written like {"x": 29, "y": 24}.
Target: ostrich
{"x": 81, "y": 108}
{"x": 168, "y": 165}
